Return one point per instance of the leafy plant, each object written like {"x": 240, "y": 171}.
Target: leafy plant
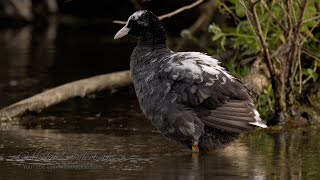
{"x": 265, "y": 102}
{"x": 285, "y": 34}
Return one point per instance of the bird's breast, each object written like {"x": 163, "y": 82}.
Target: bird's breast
{"x": 150, "y": 90}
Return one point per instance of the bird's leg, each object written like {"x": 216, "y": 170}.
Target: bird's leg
{"x": 195, "y": 148}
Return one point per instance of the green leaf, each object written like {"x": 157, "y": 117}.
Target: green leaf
{"x": 233, "y": 1}
{"x": 263, "y": 100}
{"x": 318, "y": 94}
{"x": 250, "y": 51}
{"x": 315, "y": 76}
{"x": 239, "y": 9}
{"x": 223, "y": 42}
{"x": 217, "y": 36}
{"x": 310, "y": 71}
{"x": 215, "y": 29}
{"x": 282, "y": 38}
{"x": 269, "y": 90}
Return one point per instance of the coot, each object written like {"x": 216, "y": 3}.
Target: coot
{"x": 188, "y": 96}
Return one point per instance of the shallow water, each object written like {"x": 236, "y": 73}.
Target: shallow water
{"x": 105, "y": 136}
{"x": 129, "y": 148}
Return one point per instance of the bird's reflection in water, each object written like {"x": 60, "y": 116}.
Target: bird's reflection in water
{"x": 227, "y": 163}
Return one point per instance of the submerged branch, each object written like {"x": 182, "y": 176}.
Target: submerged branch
{"x": 67, "y": 91}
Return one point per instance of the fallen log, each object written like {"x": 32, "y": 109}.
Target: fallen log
{"x": 64, "y": 92}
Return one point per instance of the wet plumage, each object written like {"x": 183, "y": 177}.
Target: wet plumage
{"x": 188, "y": 96}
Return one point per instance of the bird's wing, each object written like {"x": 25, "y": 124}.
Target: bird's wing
{"x": 219, "y": 99}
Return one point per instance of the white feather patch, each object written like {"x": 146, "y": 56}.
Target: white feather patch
{"x": 136, "y": 15}
{"x": 259, "y": 124}
{"x": 210, "y": 63}
{"x": 174, "y": 76}
{"x": 258, "y": 120}
{"x": 210, "y": 70}
{"x": 191, "y": 64}
{"x": 224, "y": 80}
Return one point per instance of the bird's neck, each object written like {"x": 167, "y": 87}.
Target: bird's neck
{"x": 154, "y": 37}
{"x": 152, "y": 43}
{"x": 144, "y": 53}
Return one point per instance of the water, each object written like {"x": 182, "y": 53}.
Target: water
{"x": 105, "y": 136}
{"x": 118, "y": 149}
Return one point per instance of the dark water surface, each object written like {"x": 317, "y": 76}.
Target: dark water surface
{"x": 104, "y": 136}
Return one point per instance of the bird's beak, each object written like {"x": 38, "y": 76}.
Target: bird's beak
{"x": 122, "y": 32}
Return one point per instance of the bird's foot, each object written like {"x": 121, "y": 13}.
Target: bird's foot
{"x": 195, "y": 149}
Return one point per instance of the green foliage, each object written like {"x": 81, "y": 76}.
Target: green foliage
{"x": 237, "y": 70}
{"x": 309, "y": 73}
{"x": 240, "y": 38}
{"x": 265, "y": 102}
{"x": 243, "y": 38}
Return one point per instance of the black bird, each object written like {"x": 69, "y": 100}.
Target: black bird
{"x": 188, "y": 96}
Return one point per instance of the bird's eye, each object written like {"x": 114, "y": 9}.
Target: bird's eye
{"x": 135, "y": 23}
{"x": 131, "y": 23}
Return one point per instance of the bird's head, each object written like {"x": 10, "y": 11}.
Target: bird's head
{"x": 145, "y": 26}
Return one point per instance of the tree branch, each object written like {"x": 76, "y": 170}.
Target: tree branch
{"x": 273, "y": 17}
{"x": 136, "y": 5}
{"x": 249, "y": 16}
{"x": 180, "y": 10}
{"x": 168, "y": 15}
{"x": 309, "y": 53}
{"x": 262, "y": 39}
{"x": 199, "y": 26}
{"x": 310, "y": 19}
{"x": 300, "y": 20}
{"x": 61, "y": 93}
